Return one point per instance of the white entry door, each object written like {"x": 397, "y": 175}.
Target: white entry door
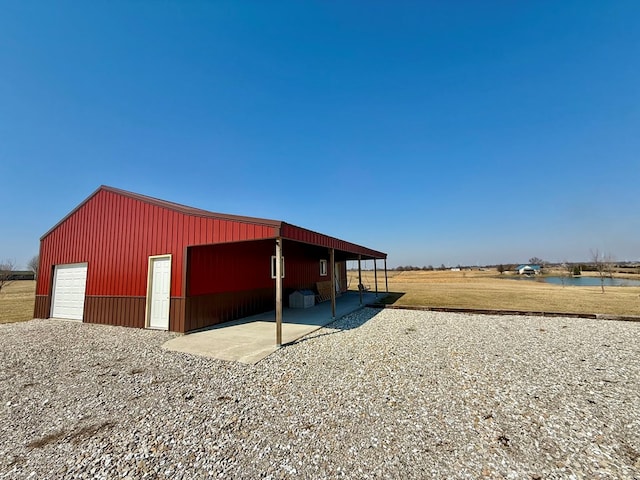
{"x": 159, "y": 292}
{"x": 69, "y": 284}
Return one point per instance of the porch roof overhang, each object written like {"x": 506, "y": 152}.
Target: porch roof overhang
{"x": 347, "y": 250}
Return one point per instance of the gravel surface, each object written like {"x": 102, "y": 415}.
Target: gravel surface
{"x": 381, "y": 394}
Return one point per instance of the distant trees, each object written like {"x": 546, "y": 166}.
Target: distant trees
{"x": 33, "y": 265}
{"x": 411, "y": 268}
{"x": 539, "y": 261}
{"x": 6, "y": 272}
{"x": 501, "y": 268}
{"x": 569, "y": 270}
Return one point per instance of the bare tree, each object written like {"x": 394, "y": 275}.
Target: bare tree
{"x": 567, "y": 271}
{"x": 603, "y": 265}
{"x": 538, "y": 261}
{"x": 33, "y": 265}
{"x": 500, "y": 268}
{"x": 6, "y": 273}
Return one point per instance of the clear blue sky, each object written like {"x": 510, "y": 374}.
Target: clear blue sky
{"x": 440, "y": 132}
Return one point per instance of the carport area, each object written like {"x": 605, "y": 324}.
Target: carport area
{"x": 249, "y": 340}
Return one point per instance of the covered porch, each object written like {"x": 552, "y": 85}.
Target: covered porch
{"x": 235, "y": 280}
{"x": 249, "y": 340}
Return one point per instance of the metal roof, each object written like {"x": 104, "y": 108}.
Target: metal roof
{"x": 286, "y": 230}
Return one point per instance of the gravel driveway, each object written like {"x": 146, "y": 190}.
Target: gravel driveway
{"x": 382, "y": 394}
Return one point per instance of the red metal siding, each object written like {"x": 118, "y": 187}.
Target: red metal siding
{"x": 230, "y": 281}
{"x": 115, "y": 234}
{"x": 303, "y": 235}
{"x": 302, "y": 266}
{"x": 230, "y": 267}
{"x": 241, "y": 266}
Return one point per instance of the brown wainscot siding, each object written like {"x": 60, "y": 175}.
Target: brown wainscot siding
{"x": 129, "y": 311}
{"x": 176, "y": 314}
{"x": 120, "y": 311}
{"x": 42, "y": 306}
{"x": 211, "y": 309}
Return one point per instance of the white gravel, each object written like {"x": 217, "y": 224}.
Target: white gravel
{"x": 382, "y": 394}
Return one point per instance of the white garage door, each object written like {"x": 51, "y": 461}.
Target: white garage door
{"x": 69, "y": 282}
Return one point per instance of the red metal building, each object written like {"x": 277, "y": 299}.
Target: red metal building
{"x": 121, "y": 258}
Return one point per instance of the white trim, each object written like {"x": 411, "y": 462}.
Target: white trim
{"x": 273, "y": 266}
{"x": 147, "y": 309}
{"x": 324, "y": 269}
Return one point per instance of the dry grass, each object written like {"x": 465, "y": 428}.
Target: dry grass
{"x": 466, "y": 289}
{"x": 17, "y": 301}
{"x": 488, "y": 290}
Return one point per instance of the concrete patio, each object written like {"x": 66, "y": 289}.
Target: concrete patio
{"x": 249, "y": 340}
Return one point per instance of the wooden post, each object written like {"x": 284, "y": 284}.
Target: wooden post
{"x": 332, "y": 262}
{"x": 278, "y": 292}
{"x": 386, "y": 281}
{"x": 360, "y": 277}
{"x": 375, "y": 274}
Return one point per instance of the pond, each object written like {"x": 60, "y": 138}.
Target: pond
{"x": 581, "y": 281}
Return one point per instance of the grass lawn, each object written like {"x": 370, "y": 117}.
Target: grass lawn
{"x": 490, "y": 290}
{"x": 17, "y": 301}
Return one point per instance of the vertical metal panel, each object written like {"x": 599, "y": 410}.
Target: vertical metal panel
{"x": 307, "y": 236}
{"x": 206, "y": 310}
{"x": 121, "y": 311}
{"x": 115, "y": 234}
{"x": 236, "y": 267}
{"x": 230, "y": 267}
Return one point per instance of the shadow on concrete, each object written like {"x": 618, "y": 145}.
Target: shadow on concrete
{"x": 250, "y": 339}
{"x": 341, "y": 325}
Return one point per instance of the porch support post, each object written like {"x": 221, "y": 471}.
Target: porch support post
{"x": 386, "y": 280}
{"x": 278, "y": 291}
{"x": 332, "y": 262}
{"x": 375, "y": 274}
{"x": 360, "y": 277}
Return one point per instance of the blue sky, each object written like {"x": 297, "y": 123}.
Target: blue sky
{"x": 440, "y": 132}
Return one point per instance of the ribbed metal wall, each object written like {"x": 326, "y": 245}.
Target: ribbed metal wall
{"x": 230, "y": 267}
{"x": 116, "y": 235}
{"x": 350, "y": 250}
{"x": 116, "y": 232}
{"x": 242, "y": 266}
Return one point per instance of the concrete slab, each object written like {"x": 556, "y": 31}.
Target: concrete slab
{"x": 249, "y": 340}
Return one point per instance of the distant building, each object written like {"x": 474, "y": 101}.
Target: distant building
{"x": 19, "y": 275}
{"x": 528, "y": 269}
